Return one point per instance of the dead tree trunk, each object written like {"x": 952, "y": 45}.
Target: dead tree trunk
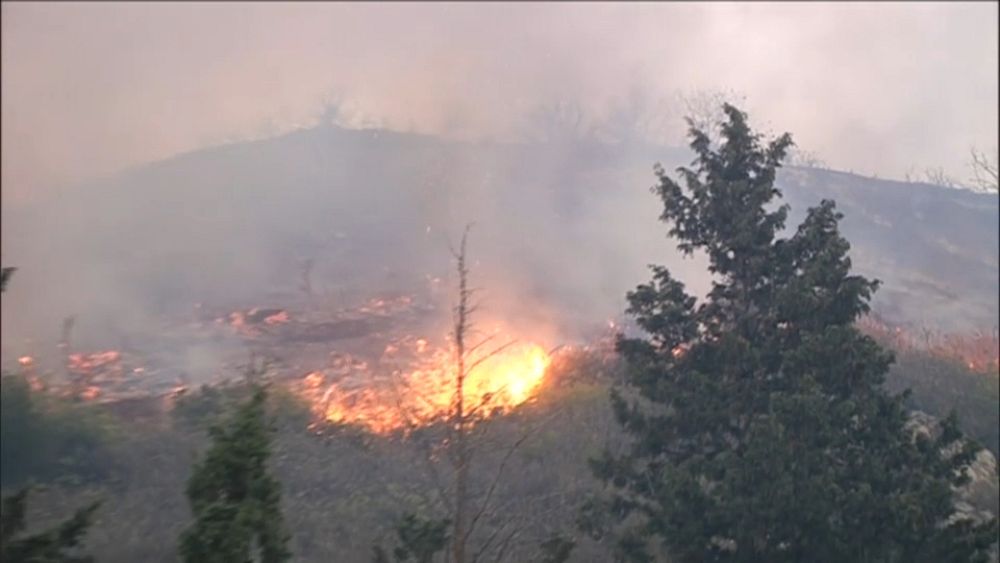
{"x": 305, "y": 283}
{"x": 459, "y": 423}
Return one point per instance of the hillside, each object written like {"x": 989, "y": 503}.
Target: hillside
{"x": 562, "y": 230}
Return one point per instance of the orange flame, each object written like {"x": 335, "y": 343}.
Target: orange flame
{"x": 277, "y": 318}
{"x": 979, "y": 351}
{"x": 89, "y": 363}
{"x": 424, "y": 390}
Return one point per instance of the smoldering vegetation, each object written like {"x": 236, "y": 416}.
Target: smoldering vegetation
{"x": 344, "y": 489}
{"x": 563, "y": 226}
{"x": 334, "y": 246}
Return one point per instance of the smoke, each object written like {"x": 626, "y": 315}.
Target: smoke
{"x": 875, "y": 88}
{"x": 539, "y": 123}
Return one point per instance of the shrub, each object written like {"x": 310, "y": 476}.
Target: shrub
{"x": 43, "y": 438}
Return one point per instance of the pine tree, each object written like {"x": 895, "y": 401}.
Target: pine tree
{"x": 235, "y": 500}
{"x": 5, "y": 275}
{"x": 760, "y": 429}
{"x": 420, "y": 540}
{"x": 57, "y": 545}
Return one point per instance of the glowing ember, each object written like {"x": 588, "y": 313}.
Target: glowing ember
{"x": 277, "y": 318}
{"x": 978, "y": 351}
{"x": 423, "y": 391}
{"x": 90, "y": 363}
{"x": 249, "y": 322}
{"x": 25, "y": 361}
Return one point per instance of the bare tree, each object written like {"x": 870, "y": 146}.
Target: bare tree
{"x": 984, "y": 171}
{"x": 466, "y": 457}
{"x": 306, "y": 268}
{"x": 804, "y": 158}
{"x": 703, "y": 109}
{"x": 939, "y": 177}
{"x": 459, "y": 419}
{"x": 471, "y": 499}
{"x": 639, "y": 118}
{"x": 562, "y": 121}
{"x": 463, "y": 417}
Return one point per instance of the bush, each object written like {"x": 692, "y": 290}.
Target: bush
{"x": 202, "y": 408}
{"x": 940, "y": 385}
{"x": 43, "y": 438}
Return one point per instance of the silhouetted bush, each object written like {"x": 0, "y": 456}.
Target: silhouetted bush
{"x": 43, "y": 438}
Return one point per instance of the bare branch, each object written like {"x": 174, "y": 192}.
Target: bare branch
{"x": 984, "y": 171}
{"x": 492, "y": 354}
{"x": 506, "y": 543}
{"x": 496, "y": 480}
{"x": 487, "y": 542}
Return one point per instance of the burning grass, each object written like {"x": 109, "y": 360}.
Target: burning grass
{"x": 412, "y": 384}
{"x": 977, "y": 351}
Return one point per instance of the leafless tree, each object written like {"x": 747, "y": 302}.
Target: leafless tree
{"x": 703, "y": 109}
{"x": 804, "y": 158}
{"x": 306, "y": 268}
{"x": 939, "y": 177}
{"x": 984, "y": 171}
{"x": 560, "y": 121}
{"x": 479, "y": 530}
{"x": 463, "y": 416}
{"x": 637, "y": 117}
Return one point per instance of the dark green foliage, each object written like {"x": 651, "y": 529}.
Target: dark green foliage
{"x": 760, "y": 428}
{"x": 420, "y": 539}
{"x": 203, "y": 407}
{"x": 235, "y": 500}
{"x": 57, "y": 545}
{"x": 30, "y": 442}
{"x": 556, "y": 549}
{"x": 939, "y": 385}
{"x": 44, "y": 438}
{"x": 5, "y": 274}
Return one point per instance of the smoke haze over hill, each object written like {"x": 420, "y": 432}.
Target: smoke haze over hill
{"x": 875, "y": 88}
{"x": 539, "y": 123}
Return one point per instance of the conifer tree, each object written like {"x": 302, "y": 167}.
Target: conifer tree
{"x": 235, "y": 500}
{"x": 56, "y": 545}
{"x": 760, "y": 430}
{"x": 420, "y": 540}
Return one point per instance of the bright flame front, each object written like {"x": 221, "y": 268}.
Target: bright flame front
{"x": 422, "y": 390}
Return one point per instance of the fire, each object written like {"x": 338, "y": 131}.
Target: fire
{"x": 88, "y": 364}
{"x": 978, "y": 351}
{"x": 25, "y": 361}
{"x": 250, "y": 322}
{"x": 277, "y": 318}
{"x": 679, "y": 351}
{"x": 422, "y": 390}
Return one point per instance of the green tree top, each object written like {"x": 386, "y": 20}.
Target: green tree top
{"x": 60, "y": 544}
{"x": 235, "y": 500}
{"x": 760, "y": 428}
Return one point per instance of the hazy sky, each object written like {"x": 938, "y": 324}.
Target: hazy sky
{"x": 876, "y": 88}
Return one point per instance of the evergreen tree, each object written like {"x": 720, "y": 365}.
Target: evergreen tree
{"x": 57, "y": 545}
{"x": 235, "y": 500}
{"x": 420, "y": 539}
{"x": 761, "y": 431}
{"x": 5, "y": 275}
